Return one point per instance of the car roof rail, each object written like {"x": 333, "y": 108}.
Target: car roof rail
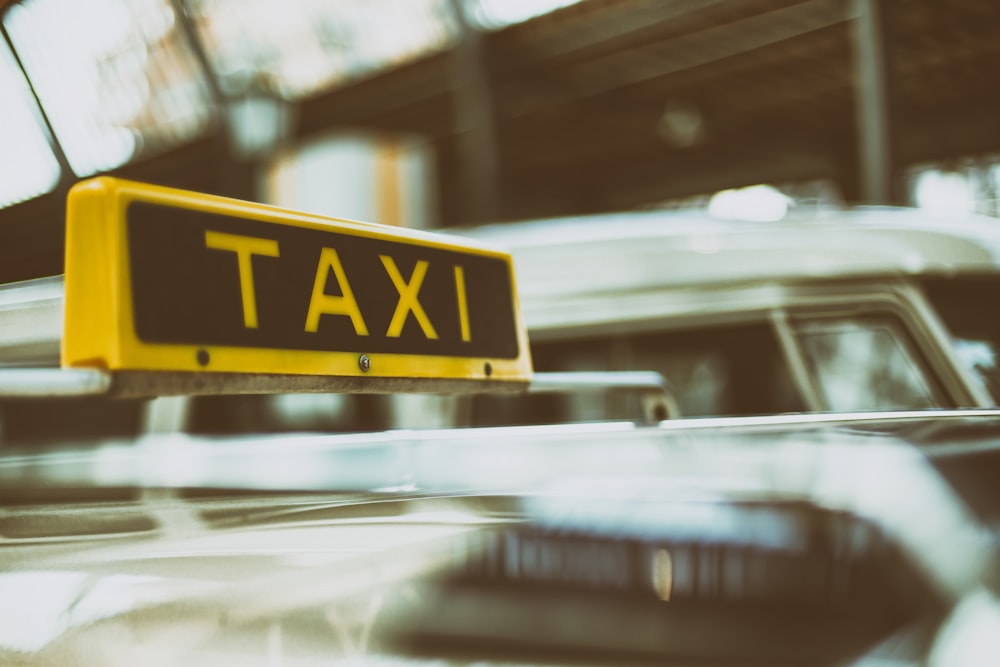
{"x": 658, "y": 400}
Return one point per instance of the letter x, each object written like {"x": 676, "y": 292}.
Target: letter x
{"x": 408, "y": 302}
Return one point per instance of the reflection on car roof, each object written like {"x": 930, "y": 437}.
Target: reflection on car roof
{"x": 663, "y": 248}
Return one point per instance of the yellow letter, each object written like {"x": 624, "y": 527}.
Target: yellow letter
{"x": 407, "y": 299}
{"x": 322, "y": 303}
{"x": 463, "y": 307}
{"x": 245, "y": 248}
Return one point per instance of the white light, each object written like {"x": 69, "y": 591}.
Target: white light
{"x": 35, "y": 171}
{"x": 35, "y": 607}
{"x": 757, "y": 203}
{"x": 945, "y": 193}
{"x": 501, "y": 13}
{"x": 682, "y": 125}
{"x": 61, "y": 43}
{"x": 259, "y": 122}
{"x": 969, "y": 636}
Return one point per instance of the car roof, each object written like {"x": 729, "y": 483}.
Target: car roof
{"x": 693, "y": 246}
{"x": 610, "y": 256}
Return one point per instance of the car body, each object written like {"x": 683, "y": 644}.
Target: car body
{"x": 864, "y": 309}
{"x": 799, "y": 539}
{"x": 129, "y": 537}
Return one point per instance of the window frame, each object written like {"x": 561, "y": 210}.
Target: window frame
{"x": 897, "y": 296}
{"x": 902, "y": 332}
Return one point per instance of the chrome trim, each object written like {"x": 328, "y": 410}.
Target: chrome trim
{"x": 822, "y": 418}
{"x": 52, "y": 382}
{"x": 657, "y": 397}
{"x": 31, "y": 321}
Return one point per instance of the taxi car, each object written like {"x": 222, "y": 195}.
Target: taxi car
{"x": 827, "y": 310}
{"x": 864, "y": 309}
{"x": 799, "y": 539}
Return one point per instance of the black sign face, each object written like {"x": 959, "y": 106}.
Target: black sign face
{"x": 210, "y": 279}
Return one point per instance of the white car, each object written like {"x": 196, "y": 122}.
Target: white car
{"x": 825, "y": 539}
{"x": 865, "y": 309}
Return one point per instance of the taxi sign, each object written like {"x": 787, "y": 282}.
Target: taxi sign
{"x": 179, "y": 292}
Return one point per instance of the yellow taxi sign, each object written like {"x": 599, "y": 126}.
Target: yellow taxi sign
{"x": 179, "y": 292}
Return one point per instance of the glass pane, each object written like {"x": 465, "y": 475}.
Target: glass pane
{"x": 496, "y": 14}
{"x": 724, "y": 370}
{"x": 735, "y": 369}
{"x": 863, "y": 364}
{"x": 27, "y": 166}
{"x": 302, "y": 46}
{"x": 115, "y": 77}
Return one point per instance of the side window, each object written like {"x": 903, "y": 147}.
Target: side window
{"x": 864, "y": 362}
{"x": 736, "y": 369}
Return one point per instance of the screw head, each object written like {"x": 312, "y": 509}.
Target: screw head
{"x": 364, "y": 363}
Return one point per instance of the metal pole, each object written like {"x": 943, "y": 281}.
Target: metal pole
{"x": 190, "y": 33}
{"x": 235, "y": 178}
{"x": 872, "y": 99}
{"x": 475, "y": 122}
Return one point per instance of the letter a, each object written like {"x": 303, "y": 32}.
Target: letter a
{"x": 322, "y": 303}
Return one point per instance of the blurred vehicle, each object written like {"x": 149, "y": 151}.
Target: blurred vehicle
{"x": 870, "y": 309}
{"x": 802, "y": 540}
{"x": 825, "y": 539}
{"x": 865, "y": 309}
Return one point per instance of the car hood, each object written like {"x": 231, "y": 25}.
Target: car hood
{"x": 159, "y": 598}
{"x": 272, "y": 577}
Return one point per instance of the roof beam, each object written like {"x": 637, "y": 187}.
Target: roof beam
{"x": 644, "y": 64}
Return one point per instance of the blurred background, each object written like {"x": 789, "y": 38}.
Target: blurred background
{"x": 438, "y": 113}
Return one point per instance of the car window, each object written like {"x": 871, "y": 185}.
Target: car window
{"x": 967, "y": 306}
{"x": 736, "y": 369}
{"x": 732, "y": 369}
{"x": 864, "y": 362}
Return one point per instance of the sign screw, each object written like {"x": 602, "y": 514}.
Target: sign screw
{"x": 364, "y": 363}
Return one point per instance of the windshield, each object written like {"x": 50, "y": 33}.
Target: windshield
{"x": 967, "y": 304}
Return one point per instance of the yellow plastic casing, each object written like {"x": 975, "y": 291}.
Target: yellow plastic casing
{"x": 99, "y": 329}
